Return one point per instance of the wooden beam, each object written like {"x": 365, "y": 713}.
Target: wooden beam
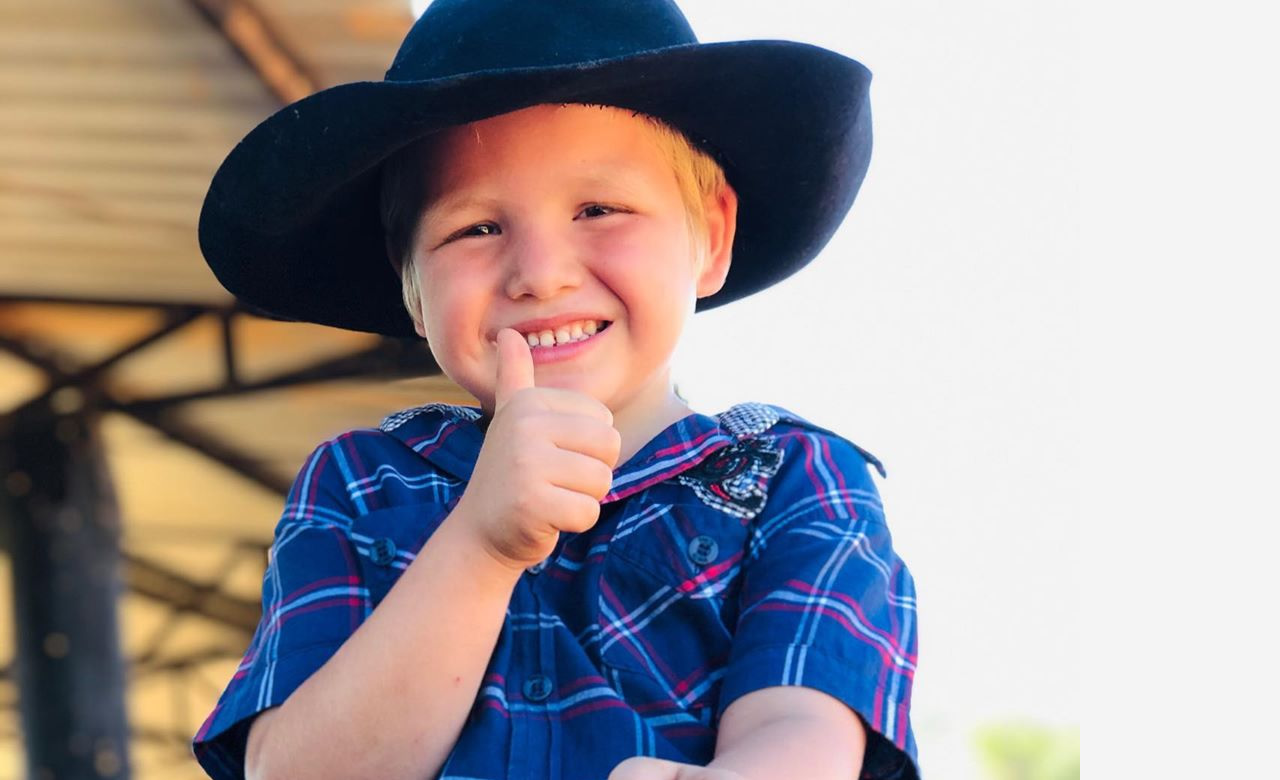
{"x": 388, "y": 359}
{"x": 205, "y": 443}
{"x": 150, "y": 579}
{"x": 87, "y": 377}
{"x": 170, "y": 306}
{"x": 253, "y": 38}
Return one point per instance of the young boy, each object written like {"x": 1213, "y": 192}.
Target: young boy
{"x": 582, "y": 578}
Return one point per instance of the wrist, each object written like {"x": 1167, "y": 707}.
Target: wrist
{"x": 481, "y": 555}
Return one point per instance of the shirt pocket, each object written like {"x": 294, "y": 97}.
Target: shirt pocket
{"x": 386, "y": 541}
{"x": 667, "y": 603}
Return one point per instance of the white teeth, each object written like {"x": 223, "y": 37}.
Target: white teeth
{"x": 564, "y": 334}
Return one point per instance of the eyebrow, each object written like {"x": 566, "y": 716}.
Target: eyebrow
{"x": 452, "y": 203}
{"x": 604, "y": 174}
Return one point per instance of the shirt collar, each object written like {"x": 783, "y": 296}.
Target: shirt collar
{"x": 449, "y": 437}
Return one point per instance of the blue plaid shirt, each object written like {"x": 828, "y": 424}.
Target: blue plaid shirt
{"x": 733, "y": 553}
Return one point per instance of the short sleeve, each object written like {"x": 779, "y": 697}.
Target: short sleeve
{"x": 313, "y": 599}
{"x": 826, "y": 603}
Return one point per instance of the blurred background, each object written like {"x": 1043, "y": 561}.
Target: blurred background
{"x": 149, "y": 427}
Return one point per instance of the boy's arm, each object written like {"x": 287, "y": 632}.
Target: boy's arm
{"x": 774, "y": 733}
{"x": 820, "y": 678}
{"x": 392, "y": 700}
{"x": 790, "y": 731}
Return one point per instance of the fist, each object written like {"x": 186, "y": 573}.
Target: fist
{"x": 643, "y": 768}
{"x": 546, "y": 463}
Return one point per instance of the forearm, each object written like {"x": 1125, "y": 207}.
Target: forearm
{"x": 792, "y": 746}
{"x": 392, "y": 700}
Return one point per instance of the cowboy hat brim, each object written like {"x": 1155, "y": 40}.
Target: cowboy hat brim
{"x": 291, "y": 223}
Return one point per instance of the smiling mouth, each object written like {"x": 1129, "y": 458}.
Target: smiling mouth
{"x": 569, "y": 333}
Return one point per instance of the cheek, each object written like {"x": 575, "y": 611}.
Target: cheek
{"x": 446, "y": 324}
{"x": 451, "y": 307}
{"x": 655, "y": 263}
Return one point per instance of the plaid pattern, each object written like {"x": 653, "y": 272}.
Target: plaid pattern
{"x": 733, "y": 553}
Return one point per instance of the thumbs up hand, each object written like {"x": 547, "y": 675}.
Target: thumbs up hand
{"x": 643, "y": 768}
{"x": 546, "y": 463}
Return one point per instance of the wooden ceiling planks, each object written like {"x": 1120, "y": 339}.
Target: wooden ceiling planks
{"x": 114, "y": 114}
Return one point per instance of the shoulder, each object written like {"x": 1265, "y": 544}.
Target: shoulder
{"x": 428, "y": 415}
{"x": 794, "y": 434}
{"x": 814, "y": 465}
{"x": 394, "y": 432}
{"x": 345, "y": 453}
{"x": 352, "y": 470}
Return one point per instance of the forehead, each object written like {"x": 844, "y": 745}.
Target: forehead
{"x": 546, "y": 141}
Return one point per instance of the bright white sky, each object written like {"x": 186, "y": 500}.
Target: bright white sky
{"x": 937, "y": 330}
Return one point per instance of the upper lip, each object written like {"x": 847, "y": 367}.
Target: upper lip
{"x": 549, "y": 323}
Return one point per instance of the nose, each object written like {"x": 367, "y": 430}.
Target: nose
{"x": 540, "y": 264}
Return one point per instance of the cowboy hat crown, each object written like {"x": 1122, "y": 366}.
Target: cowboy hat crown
{"x": 452, "y": 37}
{"x": 291, "y": 222}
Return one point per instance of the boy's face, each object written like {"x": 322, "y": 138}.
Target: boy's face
{"x": 563, "y": 214}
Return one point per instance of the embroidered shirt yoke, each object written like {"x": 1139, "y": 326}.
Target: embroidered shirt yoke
{"x": 733, "y": 553}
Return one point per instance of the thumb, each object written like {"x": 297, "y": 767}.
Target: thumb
{"x": 515, "y": 367}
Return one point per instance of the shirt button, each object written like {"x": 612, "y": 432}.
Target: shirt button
{"x": 537, "y": 687}
{"x": 537, "y": 567}
{"x": 703, "y": 550}
{"x": 383, "y": 551}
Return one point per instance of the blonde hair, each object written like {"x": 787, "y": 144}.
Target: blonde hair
{"x": 698, "y": 177}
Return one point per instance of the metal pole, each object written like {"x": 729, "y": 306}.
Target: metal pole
{"x": 64, "y": 542}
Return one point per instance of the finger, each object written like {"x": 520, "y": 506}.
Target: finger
{"x": 585, "y": 435}
{"x": 581, "y": 511}
{"x": 577, "y": 472}
{"x": 573, "y": 402}
{"x": 515, "y": 367}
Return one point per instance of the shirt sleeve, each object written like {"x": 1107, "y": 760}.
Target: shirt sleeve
{"x": 313, "y": 598}
{"x": 826, "y": 603}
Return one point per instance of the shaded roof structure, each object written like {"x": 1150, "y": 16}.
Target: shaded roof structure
{"x": 114, "y": 115}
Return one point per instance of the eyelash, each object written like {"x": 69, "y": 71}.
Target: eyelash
{"x": 467, "y": 231}
{"x": 608, "y": 209}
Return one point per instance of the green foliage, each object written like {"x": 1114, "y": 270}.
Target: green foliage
{"x": 1027, "y": 751}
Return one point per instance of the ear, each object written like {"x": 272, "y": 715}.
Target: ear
{"x": 721, "y": 212}
{"x": 419, "y": 317}
{"x": 418, "y": 313}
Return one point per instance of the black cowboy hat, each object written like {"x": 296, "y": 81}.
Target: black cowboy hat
{"x": 291, "y": 223}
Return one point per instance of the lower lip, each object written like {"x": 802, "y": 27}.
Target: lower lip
{"x": 559, "y": 352}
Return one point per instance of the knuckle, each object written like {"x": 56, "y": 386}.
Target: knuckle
{"x": 586, "y": 513}
{"x": 523, "y": 502}
{"x": 512, "y": 404}
{"x": 604, "y": 480}
{"x": 522, "y": 458}
{"x": 523, "y": 424}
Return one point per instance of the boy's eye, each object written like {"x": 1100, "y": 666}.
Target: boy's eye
{"x": 480, "y": 229}
{"x": 596, "y": 210}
